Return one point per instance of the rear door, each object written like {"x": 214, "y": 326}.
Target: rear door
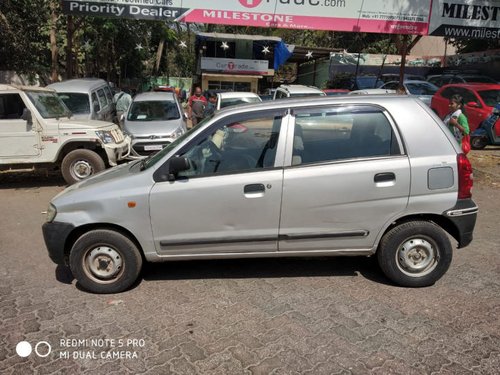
{"x": 229, "y": 201}
{"x": 348, "y": 177}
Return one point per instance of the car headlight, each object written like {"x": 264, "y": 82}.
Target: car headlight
{"x": 105, "y": 136}
{"x": 51, "y": 213}
{"x": 178, "y": 132}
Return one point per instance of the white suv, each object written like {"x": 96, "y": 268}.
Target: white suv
{"x": 36, "y": 131}
{"x": 295, "y": 91}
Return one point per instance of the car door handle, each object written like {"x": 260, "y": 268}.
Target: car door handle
{"x": 254, "y": 188}
{"x": 384, "y": 177}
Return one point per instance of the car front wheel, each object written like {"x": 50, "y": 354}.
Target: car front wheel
{"x": 415, "y": 254}
{"x": 105, "y": 261}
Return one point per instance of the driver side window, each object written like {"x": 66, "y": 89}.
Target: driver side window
{"x": 235, "y": 146}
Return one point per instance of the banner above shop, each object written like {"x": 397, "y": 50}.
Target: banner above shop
{"x": 374, "y": 16}
{"x": 471, "y": 19}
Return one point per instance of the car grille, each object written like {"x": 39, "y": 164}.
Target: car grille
{"x": 117, "y": 135}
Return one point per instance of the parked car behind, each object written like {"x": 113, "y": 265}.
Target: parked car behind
{"x": 479, "y": 99}
{"x": 372, "y": 92}
{"x": 299, "y": 177}
{"x": 37, "y": 131}
{"x": 295, "y": 91}
{"x": 335, "y": 92}
{"x": 228, "y": 99}
{"x": 421, "y": 89}
{"x": 87, "y": 98}
{"x": 154, "y": 120}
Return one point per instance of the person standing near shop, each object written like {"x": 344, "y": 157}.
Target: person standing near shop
{"x": 196, "y": 107}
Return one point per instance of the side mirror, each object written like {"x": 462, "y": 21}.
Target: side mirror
{"x": 96, "y": 107}
{"x": 26, "y": 116}
{"x": 177, "y": 164}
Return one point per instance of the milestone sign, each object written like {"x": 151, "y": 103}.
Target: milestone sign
{"x": 379, "y": 16}
{"x": 476, "y": 19}
{"x": 452, "y": 18}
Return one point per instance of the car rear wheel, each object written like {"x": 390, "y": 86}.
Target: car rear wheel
{"x": 80, "y": 164}
{"x": 415, "y": 254}
{"x": 105, "y": 261}
{"x": 478, "y": 143}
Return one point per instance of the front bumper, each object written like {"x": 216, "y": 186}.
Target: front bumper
{"x": 463, "y": 216}
{"x": 118, "y": 151}
{"x": 55, "y": 235}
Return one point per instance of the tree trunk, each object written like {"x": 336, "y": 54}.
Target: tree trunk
{"x": 70, "y": 31}
{"x": 54, "y": 74}
{"x": 159, "y": 52}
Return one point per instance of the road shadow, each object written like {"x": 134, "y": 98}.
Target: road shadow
{"x": 266, "y": 268}
{"x": 23, "y": 180}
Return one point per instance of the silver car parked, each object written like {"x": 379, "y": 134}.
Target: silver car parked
{"x": 153, "y": 120}
{"x": 352, "y": 175}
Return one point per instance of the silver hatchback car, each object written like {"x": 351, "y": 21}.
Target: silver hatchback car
{"x": 353, "y": 175}
{"x": 153, "y": 120}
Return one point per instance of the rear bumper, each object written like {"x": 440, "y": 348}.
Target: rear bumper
{"x": 55, "y": 235}
{"x": 463, "y": 216}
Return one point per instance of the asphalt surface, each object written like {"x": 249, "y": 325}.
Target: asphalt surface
{"x": 274, "y": 316}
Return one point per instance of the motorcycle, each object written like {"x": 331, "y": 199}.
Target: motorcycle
{"x": 485, "y": 134}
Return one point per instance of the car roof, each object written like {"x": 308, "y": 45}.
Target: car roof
{"x": 237, "y": 94}
{"x": 82, "y": 85}
{"x": 154, "y": 95}
{"x": 301, "y": 89}
{"x": 371, "y": 92}
{"x": 474, "y": 86}
{"x": 317, "y": 101}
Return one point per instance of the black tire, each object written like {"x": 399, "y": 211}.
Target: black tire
{"x": 105, "y": 248}
{"x": 415, "y": 254}
{"x": 80, "y": 164}
{"x": 478, "y": 143}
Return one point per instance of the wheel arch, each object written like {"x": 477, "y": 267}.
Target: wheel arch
{"x": 81, "y": 230}
{"x": 443, "y": 222}
{"x": 79, "y": 145}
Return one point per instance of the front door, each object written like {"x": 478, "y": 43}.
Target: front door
{"x": 348, "y": 178}
{"x": 229, "y": 200}
{"x": 18, "y": 138}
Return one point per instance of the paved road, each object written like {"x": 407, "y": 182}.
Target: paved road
{"x": 296, "y": 316}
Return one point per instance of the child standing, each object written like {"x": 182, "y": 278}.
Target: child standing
{"x": 456, "y": 119}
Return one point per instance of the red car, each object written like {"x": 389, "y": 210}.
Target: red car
{"x": 335, "y": 92}
{"x": 479, "y": 99}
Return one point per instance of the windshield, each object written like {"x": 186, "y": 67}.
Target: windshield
{"x": 157, "y": 110}
{"x": 228, "y": 102}
{"x": 77, "y": 103}
{"x": 421, "y": 88}
{"x": 490, "y": 97}
{"x": 482, "y": 79}
{"x": 48, "y": 104}
{"x": 154, "y": 158}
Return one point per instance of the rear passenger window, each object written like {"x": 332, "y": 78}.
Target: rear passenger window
{"x": 102, "y": 98}
{"x": 325, "y": 135}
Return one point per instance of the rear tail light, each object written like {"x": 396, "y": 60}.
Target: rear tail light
{"x": 464, "y": 177}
